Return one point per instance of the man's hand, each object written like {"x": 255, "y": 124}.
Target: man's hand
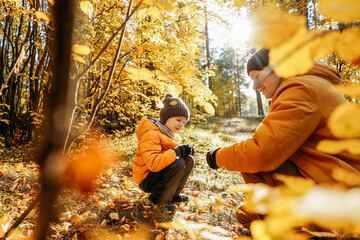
{"x": 211, "y": 158}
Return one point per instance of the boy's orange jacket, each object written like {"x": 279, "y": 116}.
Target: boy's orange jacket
{"x": 155, "y": 150}
{"x": 296, "y": 123}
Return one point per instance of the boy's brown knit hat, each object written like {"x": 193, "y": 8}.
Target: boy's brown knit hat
{"x": 173, "y": 107}
{"x": 258, "y": 60}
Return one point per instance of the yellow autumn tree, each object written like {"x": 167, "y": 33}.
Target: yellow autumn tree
{"x": 160, "y": 53}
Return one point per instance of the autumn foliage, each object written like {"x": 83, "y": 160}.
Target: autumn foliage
{"x": 125, "y": 55}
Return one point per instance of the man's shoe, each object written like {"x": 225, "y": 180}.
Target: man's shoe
{"x": 170, "y": 206}
{"x": 180, "y": 198}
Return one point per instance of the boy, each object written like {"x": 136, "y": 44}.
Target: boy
{"x": 162, "y": 165}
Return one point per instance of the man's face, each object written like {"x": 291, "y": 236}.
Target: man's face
{"x": 265, "y": 82}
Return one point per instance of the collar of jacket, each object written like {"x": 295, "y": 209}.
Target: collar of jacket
{"x": 164, "y": 129}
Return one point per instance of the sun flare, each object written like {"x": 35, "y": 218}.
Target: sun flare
{"x": 241, "y": 31}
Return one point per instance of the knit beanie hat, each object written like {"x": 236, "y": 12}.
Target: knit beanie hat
{"x": 258, "y": 60}
{"x": 173, "y": 107}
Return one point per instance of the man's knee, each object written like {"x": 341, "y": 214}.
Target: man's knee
{"x": 245, "y": 218}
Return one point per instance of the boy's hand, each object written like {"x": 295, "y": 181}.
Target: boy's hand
{"x": 211, "y": 158}
{"x": 184, "y": 150}
{"x": 192, "y": 150}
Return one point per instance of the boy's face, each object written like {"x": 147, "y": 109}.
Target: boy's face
{"x": 175, "y": 124}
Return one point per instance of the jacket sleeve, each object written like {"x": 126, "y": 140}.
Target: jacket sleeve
{"x": 154, "y": 157}
{"x": 294, "y": 116}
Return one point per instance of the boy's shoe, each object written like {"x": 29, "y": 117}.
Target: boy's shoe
{"x": 170, "y": 206}
{"x": 180, "y": 198}
{"x": 152, "y": 201}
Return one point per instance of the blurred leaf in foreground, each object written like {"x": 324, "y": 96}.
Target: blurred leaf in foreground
{"x": 274, "y": 27}
{"x": 333, "y": 147}
{"x": 353, "y": 91}
{"x": 344, "y": 121}
{"x": 87, "y": 165}
{"x": 340, "y": 10}
{"x": 331, "y": 208}
{"x": 348, "y": 46}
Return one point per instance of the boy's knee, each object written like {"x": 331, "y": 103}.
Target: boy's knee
{"x": 190, "y": 162}
{"x": 179, "y": 163}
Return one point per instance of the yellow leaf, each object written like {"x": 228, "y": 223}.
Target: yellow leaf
{"x": 87, "y": 8}
{"x": 103, "y": 223}
{"x": 65, "y": 216}
{"x": 340, "y": 10}
{"x": 148, "y": 2}
{"x": 200, "y": 101}
{"x": 159, "y": 103}
{"x": 114, "y": 216}
{"x": 344, "y": 121}
{"x": 77, "y": 219}
{"x": 141, "y": 13}
{"x": 146, "y": 73}
{"x": 349, "y": 178}
{"x": 258, "y": 230}
{"x": 239, "y": 3}
{"x": 153, "y": 12}
{"x": 348, "y": 47}
{"x": 325, "y": 45}
{"x": 44, "y": 16}
{"x": 331, "y": 208}
{"x": 297, "y": 185}
{"x": 166, "y": 6}
{"x": 286, "y": 58}
{"x": 52, "y": 2}
{"x": 187, "y": 71}
{"x": 131, "y": 70}
{"x": 334, "y": 147}
{"x": 77, "y": 58}
{"x": 243, "y": 188}
{"x": 81, "y": 49}
{"x": 111, "y": 204}
{"x": 353, "y": 91}
{"x": 4, "y": 225}
{"x": 173, "y": 90}
{"x": 124, "y": 228}
{"x": 209, "y": 108}
{"x": 273, "y": 27}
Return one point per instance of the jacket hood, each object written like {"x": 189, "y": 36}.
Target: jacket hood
{"x": 144, "y": 126}
{"x": 326, "y": 72}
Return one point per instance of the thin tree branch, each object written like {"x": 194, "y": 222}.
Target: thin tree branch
{"x": 122, "y": 27}
{"x": 98, "y": 99}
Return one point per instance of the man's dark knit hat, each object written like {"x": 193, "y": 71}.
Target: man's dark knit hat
{"x": 173, "y": 107}
{"x": 258, "y": 60}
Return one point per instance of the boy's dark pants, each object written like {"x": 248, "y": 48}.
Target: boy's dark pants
{"x": 169, "y": 182}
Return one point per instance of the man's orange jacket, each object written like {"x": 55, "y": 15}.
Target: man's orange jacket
{"x": 296, "y": 123}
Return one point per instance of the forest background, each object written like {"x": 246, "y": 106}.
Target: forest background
{"x": 78, "y": 72}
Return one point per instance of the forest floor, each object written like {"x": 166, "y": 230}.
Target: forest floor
{"x": 115, "y": 208}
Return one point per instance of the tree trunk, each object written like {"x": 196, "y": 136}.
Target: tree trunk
{"x": 259, "y": 104}
{"x": 208, "y": 55}
{"x": 51, "y": 156}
